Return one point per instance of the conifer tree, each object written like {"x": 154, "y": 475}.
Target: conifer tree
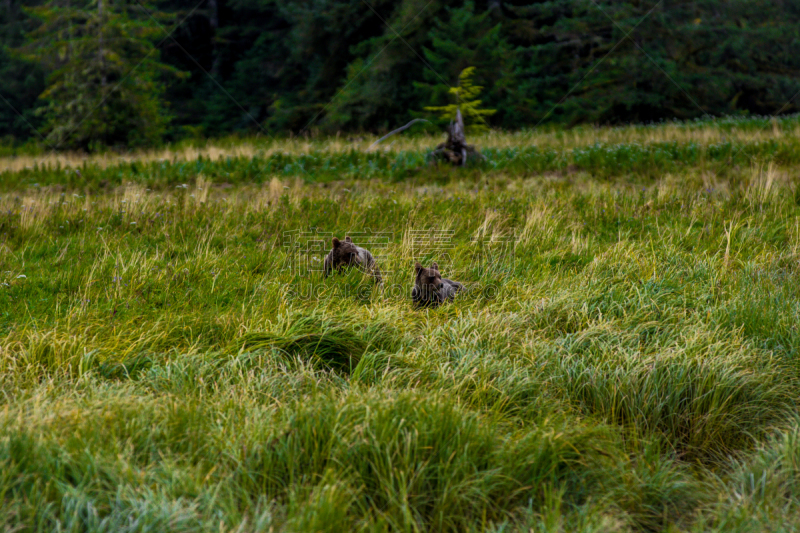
{"x": 20, "y": 82}
{"x": 465, "y": 98}
{"x": 103, "y": 86}
{"x": 464, "y": 43}
{"x": 349, "y": 65}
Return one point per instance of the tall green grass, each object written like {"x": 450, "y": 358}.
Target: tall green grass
{"x": 624, "y": 357}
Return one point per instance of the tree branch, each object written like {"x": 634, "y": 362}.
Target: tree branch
{"x": 398, "y": 130}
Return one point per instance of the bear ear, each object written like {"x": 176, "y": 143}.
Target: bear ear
{"x": 348, "y": 239}
{"x": 417, "y": 267}
{"x": 336, "y": 242}
{"x": 435, "y": 266}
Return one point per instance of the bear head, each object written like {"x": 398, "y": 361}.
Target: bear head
{"x": 344, "y": 254}
{"x": 429, "y": 280}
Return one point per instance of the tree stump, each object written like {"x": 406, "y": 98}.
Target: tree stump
{"x": 455, "y": 149}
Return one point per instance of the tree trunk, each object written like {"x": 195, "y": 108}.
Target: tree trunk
{"x": 100, "y": 51}
{"x": 69, "y": 32}
{"x": 213, "y": 20}
{"x": 455, "y": 149}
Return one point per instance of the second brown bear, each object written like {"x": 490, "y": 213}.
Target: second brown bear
{"x": 431, "y": 289}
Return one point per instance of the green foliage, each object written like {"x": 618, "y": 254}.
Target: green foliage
{"x": 103, "y": 86}
{"x": 20, "y": 82}
{"x": 564, "y": 62}
{"x": 466, "y": 100}
{"x": 463, "y": 38}
{"x": 300, "y": 66}
{"x": 680, "y": 61}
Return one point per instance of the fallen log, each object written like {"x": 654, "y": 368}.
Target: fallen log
{"x": 398, "y": 130}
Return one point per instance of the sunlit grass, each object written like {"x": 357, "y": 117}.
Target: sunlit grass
{"x": 624, "y": 359}
{"x": 736, "y": 131}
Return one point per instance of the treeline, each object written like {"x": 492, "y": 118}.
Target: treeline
{"x": 171, "y": 69}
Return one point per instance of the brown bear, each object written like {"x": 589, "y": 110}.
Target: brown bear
{"x": 345, "y": 254}
{"x": 431, "y": 289}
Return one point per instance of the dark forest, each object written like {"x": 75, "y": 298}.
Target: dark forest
{"x": 144, "y": 72}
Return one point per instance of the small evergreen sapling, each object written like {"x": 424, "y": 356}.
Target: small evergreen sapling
{"x": 466, "y": 99}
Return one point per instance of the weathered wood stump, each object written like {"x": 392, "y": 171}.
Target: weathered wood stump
{"x": 455, "y": 149}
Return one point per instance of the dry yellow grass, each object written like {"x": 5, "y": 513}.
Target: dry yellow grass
{"x": 546, "y": 138}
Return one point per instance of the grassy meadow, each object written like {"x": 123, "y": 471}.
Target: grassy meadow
{"x": 626, "y": 356}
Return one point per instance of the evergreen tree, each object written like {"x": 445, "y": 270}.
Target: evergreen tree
{"x": 355, "y": 65}
{"x": 378, "y": 90}
{"x": 465, "y": 42}
{"x": 609, "y": 61}
{"x": 326, "y": 37}
{"x": 465, "y": 96}
{"x": 20, "y": 82}
{"x": 103, "y": 86}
